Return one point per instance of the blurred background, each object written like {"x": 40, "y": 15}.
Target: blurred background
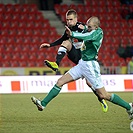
{"x": 25, "y": 24}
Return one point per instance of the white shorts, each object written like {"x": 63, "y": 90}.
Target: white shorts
{"x": 90, "y": 70}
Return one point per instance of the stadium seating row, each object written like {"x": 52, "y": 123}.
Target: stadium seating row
{"x": 24, "y": 29}
{"x": 25, "y": 8}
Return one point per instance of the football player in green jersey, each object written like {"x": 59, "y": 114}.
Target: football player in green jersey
{"x": 67, "y": 45}
{"x": 88, "y": 67}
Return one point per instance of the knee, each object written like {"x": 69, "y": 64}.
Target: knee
{"x": 67, "y": 45}
{"x": 59, "y": 83}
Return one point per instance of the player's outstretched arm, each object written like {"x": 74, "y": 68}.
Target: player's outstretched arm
{"x": 44, "y": 45}
{"x": 68, "y": 31}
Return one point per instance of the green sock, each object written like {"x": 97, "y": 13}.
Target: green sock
{"x": 53, "y": 93}
{"x": 117, "y": 100}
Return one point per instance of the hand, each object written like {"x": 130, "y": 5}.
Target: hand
{"x": 82, "y": 27}
{"x": 45, "y": 45}
{"x": 68, "y": 31}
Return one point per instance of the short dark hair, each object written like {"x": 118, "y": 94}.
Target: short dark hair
{"x": 70, "y": 12}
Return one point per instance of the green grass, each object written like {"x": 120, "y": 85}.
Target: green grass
{"x": 67, "y": 113}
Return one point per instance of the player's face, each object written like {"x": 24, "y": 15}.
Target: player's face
{"x": 71, "y": 20}
{"x": 91, "y": 26}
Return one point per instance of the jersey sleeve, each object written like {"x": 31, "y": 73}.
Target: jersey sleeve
{"x": 60, "y": 40}
{"x": 93, "y": 35}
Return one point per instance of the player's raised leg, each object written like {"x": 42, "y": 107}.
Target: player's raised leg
{"x": 60, "y": 55}
{"x": 63, "y": 49}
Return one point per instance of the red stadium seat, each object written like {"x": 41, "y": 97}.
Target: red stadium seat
{"x": 33, "y": 8}
{"x": 94, "y": 3}
{"x": 116, "y": 41}
{"x": 14, "y": 63}
{"x": 72, "y": 6}
{"x": 124, "y": 41}
{"x": 16, "y": 17}
{"x": 6, "y": 24}
{"x": 108, "y": 33}
{"x": 23, "y": 17}
{"x": 22, "y": 63}
{"x": 14, "y": 24}
{"x": 5, "y": 32}
{"x": 5, "y": 63}
{"x": 24, "y": 56}
{"x": 31, "y": 17}
{"x": 131, "y": 7}
{"x": 115, "y": 63}
{"x": 64, "y": 8}
{"x": 29, "y": 33}
{"x": 116, "y": 25}
{"x": 16, "y": 56}
{"x": 116, "y": 3}
{"x": 9, "y": 8}
{"x": 20, "y": 32}
{"x": 57, "y": 8}
{"x": 18, "y": 8}
{"x": 124, "y": 32}
{"x": 3, "y": 40}
{"x": 22, "y": 25}
{"x": 17, "y": 48}
{"x": 36, "y": 40}
{"x": 12, "y": 33}
{"x": 102, "y": 3}
{"x": 80, "y": 8}
{"x": 25, "y": 8}
{"x": 122, "y": 62}
{"x": 130, "y": 22}
{"x": 31, "y": 63}
{"x": 2, "y": 8}
{"x": 7, "y": 56}
{"x": 39, "y": 64}
{"x": 25, "y": 48}
{"x": 109, "y": 3}
{"x": 39, "y": 25}
{"x": 30, "y": 25}
{"x": 26, "y": 40}
{"x": 37, "y": 32}
{"x": 110, "y": 10}
{"x": 87, "y": 2}
{"x": 19, "y": 40}
{"x": 9, "y": 47}
{"x": 33, "y": 56}
{"x": 34, "y": 48}
{"x": 10, "y": 40}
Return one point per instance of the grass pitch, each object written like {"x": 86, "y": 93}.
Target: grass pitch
{"x": 67, "y": 113}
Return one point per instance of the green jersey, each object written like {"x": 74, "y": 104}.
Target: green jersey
{"x": 91, "y": 43}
